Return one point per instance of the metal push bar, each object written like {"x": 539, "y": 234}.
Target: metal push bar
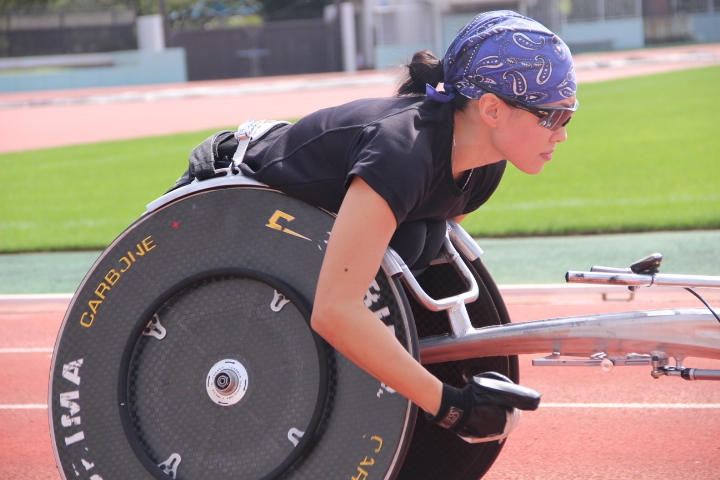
{"x": 604, "y": 276}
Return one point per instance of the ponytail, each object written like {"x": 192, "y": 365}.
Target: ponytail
{"x": 423, "y": 69}
{"x": 426, "y": 68}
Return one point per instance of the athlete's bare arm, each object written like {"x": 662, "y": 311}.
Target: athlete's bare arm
{"x": 359, "y": 238}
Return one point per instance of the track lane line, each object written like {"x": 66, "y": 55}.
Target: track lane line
{"x": 27, "y": 350}
{"x": 633, "y": 405}
{"x": 24, "y": 406}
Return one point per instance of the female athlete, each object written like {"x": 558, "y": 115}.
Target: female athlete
{"x": 395, "y": 169}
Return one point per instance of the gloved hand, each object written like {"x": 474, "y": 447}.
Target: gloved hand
{"x": 486, "y": 409}
{"x": 214, "y": 152}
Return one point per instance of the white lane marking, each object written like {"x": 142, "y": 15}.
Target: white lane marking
{"x": 27, "y": 350}
{"x": 24, "y": 406}
{"x": 659, "y": 313}
{"x": 632, "y": 405}
{"x": 29, "y": 297}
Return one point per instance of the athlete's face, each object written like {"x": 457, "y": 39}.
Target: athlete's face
{"x": 525, "y": 143}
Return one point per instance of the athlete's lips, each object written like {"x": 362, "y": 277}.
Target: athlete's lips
{"x": 547, "y": 155}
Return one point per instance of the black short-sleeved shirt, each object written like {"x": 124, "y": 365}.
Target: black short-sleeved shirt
{"x": 400, "y": 146}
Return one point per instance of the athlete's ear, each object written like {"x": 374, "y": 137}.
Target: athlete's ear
{"x": 489, "y": 107}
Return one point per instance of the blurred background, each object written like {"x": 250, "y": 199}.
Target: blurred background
{"x": 101, "y": 101}
{"x": 84, "y": 43}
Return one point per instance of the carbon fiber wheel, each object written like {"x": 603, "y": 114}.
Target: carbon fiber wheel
{"x": 187, "y": 353}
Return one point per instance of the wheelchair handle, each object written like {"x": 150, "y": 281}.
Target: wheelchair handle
{"x": 460, "y": 323}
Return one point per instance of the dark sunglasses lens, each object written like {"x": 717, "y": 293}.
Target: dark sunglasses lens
{"x": 556, "y": 119}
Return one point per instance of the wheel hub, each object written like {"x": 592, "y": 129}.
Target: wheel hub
{"x": 227, "y": 382}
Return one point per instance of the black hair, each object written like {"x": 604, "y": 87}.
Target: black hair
{"x": 426, "y": 68}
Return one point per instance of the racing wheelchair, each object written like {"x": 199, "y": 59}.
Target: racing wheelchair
{"x": 187, "y": 351}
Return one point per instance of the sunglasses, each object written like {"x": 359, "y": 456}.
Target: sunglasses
{"x": 550, "y": 117}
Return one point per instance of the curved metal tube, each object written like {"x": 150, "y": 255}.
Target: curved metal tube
{"x": 463, "y": 241}
{"x": 458, "y": 317}
{"x": 454, "y": 306}
{"x": 445, "y": 303}
{"x": 679, "y": 332}
{"x": 197, "y": 186}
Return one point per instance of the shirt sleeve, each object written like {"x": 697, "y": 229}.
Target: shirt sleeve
{"x": 396, "y": 161}
{"x": 487, "y": 183}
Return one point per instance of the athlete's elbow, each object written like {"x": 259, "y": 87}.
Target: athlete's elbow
{"x": 325, "y": 320}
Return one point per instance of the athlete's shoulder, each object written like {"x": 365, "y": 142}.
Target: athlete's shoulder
{"x": 368, "y": 111}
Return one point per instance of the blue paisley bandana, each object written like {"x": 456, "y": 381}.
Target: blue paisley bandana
{"x": 510, "y": 54}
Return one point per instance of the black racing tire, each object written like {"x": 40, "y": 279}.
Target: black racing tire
{"x": 435, "y": 452}
{"x": 220, "y": 281}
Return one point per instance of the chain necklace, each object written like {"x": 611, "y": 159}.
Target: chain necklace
{"x": 467, "y": 180}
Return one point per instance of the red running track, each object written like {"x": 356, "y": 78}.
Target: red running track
{"x": 603, "y": 438}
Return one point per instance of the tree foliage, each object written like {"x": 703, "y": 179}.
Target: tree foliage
{"x": 61, "y": 5}
{"x": 182, "y": 9}
{"x": 9, "y": 5}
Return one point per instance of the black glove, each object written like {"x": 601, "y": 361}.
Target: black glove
{"x": 215, "y": 152}
{"x": 486, "y": 409}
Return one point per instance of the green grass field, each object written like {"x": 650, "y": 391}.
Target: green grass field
{"x": 643, "y": 154}
{"x": 83, "y": 196}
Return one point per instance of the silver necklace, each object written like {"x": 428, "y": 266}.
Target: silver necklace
{"x": 467, "y": 180}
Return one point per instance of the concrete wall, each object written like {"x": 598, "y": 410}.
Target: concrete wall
{"x": 706, "y": 27}
{"x": 617, "y": 34}
{"x": 394, "y": 56}
{"x": 400, "y": 30}
{"x": 126, "y": 68}
{"x": 601, "y": 35}
{"x": 451, "y": 25}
